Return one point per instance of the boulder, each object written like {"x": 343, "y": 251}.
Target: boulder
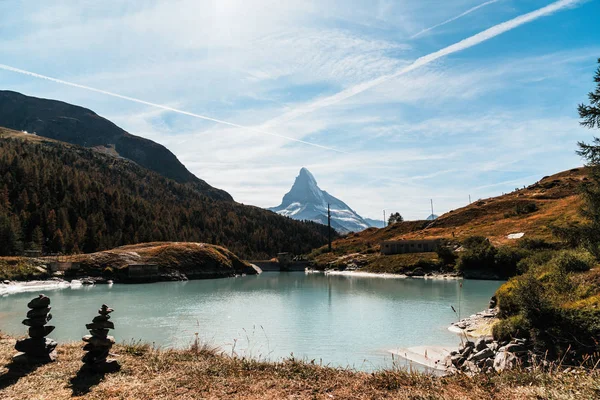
{"x": 485, "y": 353}
{"x": 465, "y": 345}
{"x": 480, "y": 344}
{"x": 513, "y": 348}
{"x": 467, "y": 352}
{"x": 457, "y": 360}
{"x": 504, "y": 361}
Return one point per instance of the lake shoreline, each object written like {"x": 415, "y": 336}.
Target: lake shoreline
{"x": 392, "y": 276}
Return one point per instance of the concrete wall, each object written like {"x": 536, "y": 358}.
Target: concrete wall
{"x": 408, "y": 246}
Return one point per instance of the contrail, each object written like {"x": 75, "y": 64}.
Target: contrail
{"x": 469, "y": 11}
{"x": 175, "y": 110}
{"x": 424, "y": 60}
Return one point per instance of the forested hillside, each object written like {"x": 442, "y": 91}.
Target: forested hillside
{"x": 81, "y": 126}
{"x": 71, "y": 199}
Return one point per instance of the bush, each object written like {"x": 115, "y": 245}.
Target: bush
{"x": 507, "y": 301}
{"x": 522, "y": 209}
{"x": 446, "y": 255}
{"x": 473, "y": 242}
{"x": 507, "y": 259}
{"x": 478, "y": 254}
{"x": 574, "y": 261}
{"x": 534, "y": 260}
{"x": 515, "y": 326}
{"x": 534, "y": 244}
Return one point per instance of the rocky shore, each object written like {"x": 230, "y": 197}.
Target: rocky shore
{"x": 488, "y": 355}
{"x": 145, "y": 262}
{"x": 476, "y": 325}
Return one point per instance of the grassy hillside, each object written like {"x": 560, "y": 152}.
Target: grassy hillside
{"x": 77, "y": 125}
{"x": 531, "y": 210}
{"x": 67, "y": 198}
{"x": 199, "y": 372}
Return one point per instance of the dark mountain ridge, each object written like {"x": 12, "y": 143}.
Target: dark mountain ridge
{"x": 81, "y": 126}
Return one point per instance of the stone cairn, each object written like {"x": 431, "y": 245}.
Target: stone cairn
{"x": 37, "y": 348}
{"x": 99, "y": 343}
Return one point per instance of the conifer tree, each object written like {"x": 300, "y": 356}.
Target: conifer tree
{"x": 588, "y": 234}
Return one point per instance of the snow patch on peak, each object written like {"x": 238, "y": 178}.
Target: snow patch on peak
{"x": 306, "y": 201}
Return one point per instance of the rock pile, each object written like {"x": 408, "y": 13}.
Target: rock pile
{"x": 37, "y": 348}
{"x": 99, "y": 343}
{"x": 487, "y": 355}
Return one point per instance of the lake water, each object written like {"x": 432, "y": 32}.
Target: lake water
{"x": 336, "y": 320}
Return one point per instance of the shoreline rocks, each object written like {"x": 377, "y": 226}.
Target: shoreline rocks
{"x": 476, "y": 325}
{"x": 37, "y": 348}
{"x": 99, "y": 343}
{"x": 488, "y": 355}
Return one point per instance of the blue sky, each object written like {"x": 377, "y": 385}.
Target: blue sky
{"x": 397, "y": 101}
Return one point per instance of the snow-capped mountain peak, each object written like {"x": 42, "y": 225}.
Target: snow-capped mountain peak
{"x": 306, "y": 201}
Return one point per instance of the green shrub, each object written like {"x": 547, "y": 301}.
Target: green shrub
{"x": 515, "y": 326}
{"x": 534, "y": 244}
{"x": 534, "y": 260}
{"x": 446, "y": 255}
{"x": 473, "y": 242}
{"x": 574, "y": 261}
{"x": 508, "y": 304}
{"x": 478, "y": 253}
{"x": 507, "y": 259}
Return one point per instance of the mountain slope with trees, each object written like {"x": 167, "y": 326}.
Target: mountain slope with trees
{"x": 77, "y": 125}
{"x": 68, "y": 198}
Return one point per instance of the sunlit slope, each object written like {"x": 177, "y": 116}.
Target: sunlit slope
{"x": 552, "y": 200}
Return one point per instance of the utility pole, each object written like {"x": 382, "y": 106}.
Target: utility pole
{"x": 329, "y": 225}
{"x": 469, "y": 199}
{"x": 431, "y": 208}
{"x": 384, "y": 220}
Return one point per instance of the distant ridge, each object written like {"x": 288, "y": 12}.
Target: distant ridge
{"x": 81, "y": 126}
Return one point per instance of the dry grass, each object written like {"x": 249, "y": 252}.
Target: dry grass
{"x": 148, "y": 373}
{"x": 556, "y": 198}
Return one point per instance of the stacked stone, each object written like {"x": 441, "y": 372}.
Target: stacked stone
{"x": 37, "y": 348}
{"x": 99, "y": 343}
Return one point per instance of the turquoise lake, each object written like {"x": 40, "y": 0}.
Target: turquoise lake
{"x": 336, "y": 320}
